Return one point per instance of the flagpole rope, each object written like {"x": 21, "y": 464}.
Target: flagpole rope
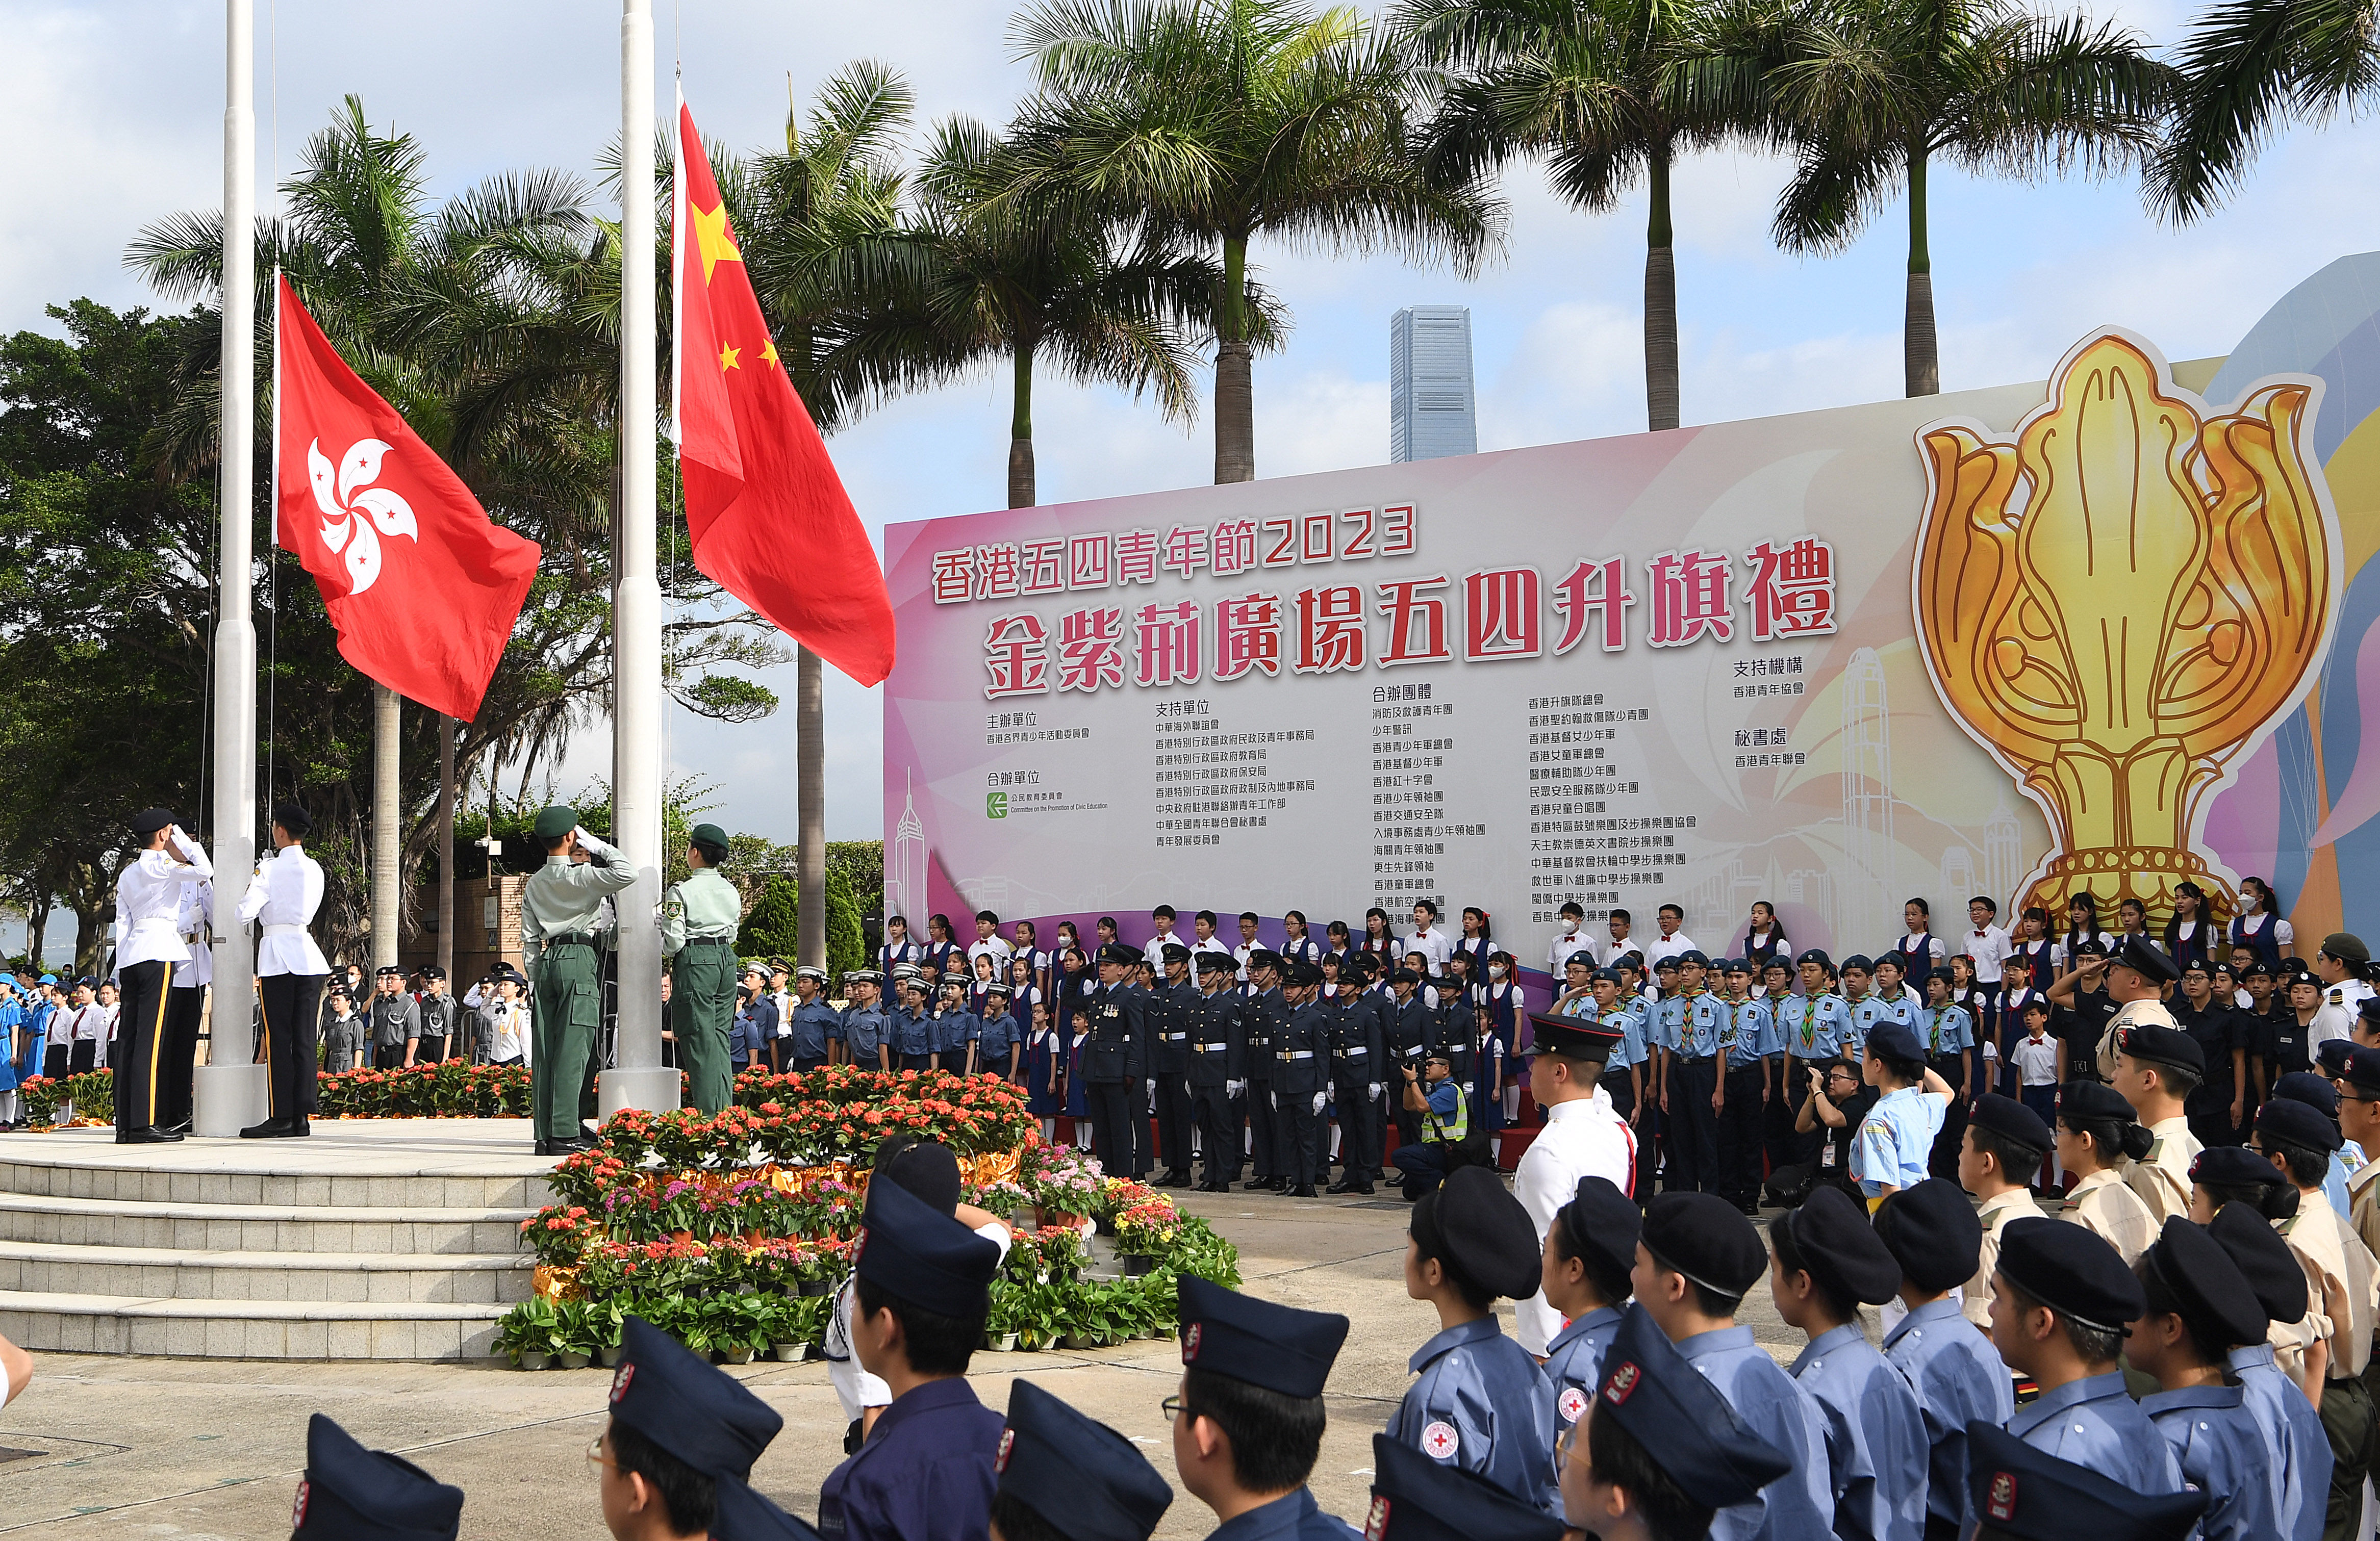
{"x": 272, "y": 481}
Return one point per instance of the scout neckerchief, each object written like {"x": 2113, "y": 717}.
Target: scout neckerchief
{"x": 1809, "y": 1028}
{"x": 1934, "y": 1029}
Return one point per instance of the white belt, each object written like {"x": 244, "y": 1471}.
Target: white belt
{"x": 284, "y": 930}
{"x": 153, "y": 924}
{"x": 1176, "y": 1037}
{"x": 1209, "y": 1048}
{"x": 1352, "y": 1053}
{"x": 1297, "y": 1053}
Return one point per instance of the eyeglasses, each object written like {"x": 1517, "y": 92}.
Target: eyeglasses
{"x": 1177, "y": 1407}
{"x": 595, "y": 1456}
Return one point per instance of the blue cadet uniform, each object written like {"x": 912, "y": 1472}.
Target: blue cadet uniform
{"x": 1415, "y": 1498}
{"x": 2091, "y": 1421}
{"x": 349, "y": 1491}
{"x": 1812, "y": 1027}
{"x": 1876, "y": 1444}
{"x": 925, "y": 1471}
{"x": 1481, "y": 1403}
{"x": 694, "y": 1412}
{"x": 2021, "y": 1494}
{"x": 864, "y": 1026}
{"x": 1280, "y": 1349}
{"x": 1709, "y": 1240}
{"x": 1080, "y": 1477}
{"x": 1896, "y": 1139}
{"x": 1599, "y": 1223}
{"x": 2216, "y": 1438}
{"x": 1746, "y": 1039}
{"x": 2298, "y": 1451}
{"x": 1933, "y": 1232}
{"x": 1685, "y": 1425}
{"x": 1694, "y": 1022}
{"x": 814, "y": 1024}
{"x": 997, "y": 1033}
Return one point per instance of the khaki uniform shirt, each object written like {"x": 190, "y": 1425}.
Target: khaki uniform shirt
{"x": 1975, "y": 1302}
{"x": 2162, "y": 1177}
{"x": 2105, "y": 1206}
{"x": 564, "y": 896}
{"x": 705, "y": 905}
{"x": 2340, "y": 1277}
{"x": 2132, "y": 1014}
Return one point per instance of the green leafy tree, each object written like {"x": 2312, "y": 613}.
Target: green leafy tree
{"x": 2249, "y": 67}
{"x": 1234, "y": 120}
{"x": 773, "y": 926}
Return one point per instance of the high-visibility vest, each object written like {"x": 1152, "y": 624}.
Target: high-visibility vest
{"x": 1452, "y": 1130}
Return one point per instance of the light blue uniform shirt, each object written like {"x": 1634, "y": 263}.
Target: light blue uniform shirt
{"x": 1630, "y": 1025}
{"x": 2222, "y": 1452}
{"x": 1944, "y": 1030}
{"x": 1958, "y": 1376}
{"x": 1876, "y": 1436}
{"x": 1801, "y": 1504}
{"x": 2094, "y": 1423}
{"x": 1698, "y": 1021}
{"x": 1574, "y": 1362}
{"x": 2334, "y": 1185}
{"x": 1665, "y": 1017}
{"x": 911, "y": 1035}
{"x": 1745, "y": 1033}
{"x": 2300, "y": 1467}
{"x": 1483, "y": 1404}
{"x": 1811, "y": 1026}
{"x": 1896, "y": 1139}
{"x": 864, "y": 1030}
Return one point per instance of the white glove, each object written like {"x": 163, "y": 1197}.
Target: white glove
{"x": 1233, "y": 1088}
{"x": 1273, "y": 1098}
{"x": 1319, "y": 1100}
{"x": 1152, "y": 1086}
{"x": 1372, "y": 1092}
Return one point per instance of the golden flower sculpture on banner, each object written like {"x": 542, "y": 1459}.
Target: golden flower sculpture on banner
{"x": 2119, "y": 598}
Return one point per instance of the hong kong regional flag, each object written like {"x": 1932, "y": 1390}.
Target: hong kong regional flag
{"x": 422, "y": 588}
{"x": 767, "y": 514}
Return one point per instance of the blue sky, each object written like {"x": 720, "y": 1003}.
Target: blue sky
{"x": 112, "y": 114}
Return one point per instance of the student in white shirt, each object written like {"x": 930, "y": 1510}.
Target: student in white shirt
{"x": 989, "y": 940}
{"x": 1570, "y": 940}
{"x": 1672, "y": 940}
{"x": 1428, "y": 937}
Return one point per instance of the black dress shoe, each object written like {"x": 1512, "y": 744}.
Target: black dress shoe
{"x": 544, "y": 1146}
{"x": 271, "y": 1129}
{"x": 1254, "y": 1183}
{"x": 147, "y": 1134}
{"x": 1336, "y": 1188}
{"x": 1305, "y": 1191}
{"x": 1365, "y": 1191}
{"x": 177, "y": 1129}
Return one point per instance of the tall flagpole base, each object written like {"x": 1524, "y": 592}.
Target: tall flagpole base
{"x": 225, "y": 1099}
{"x": 650, "y": 1088}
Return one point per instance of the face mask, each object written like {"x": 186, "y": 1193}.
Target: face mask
{"x": 1495, "y": 971}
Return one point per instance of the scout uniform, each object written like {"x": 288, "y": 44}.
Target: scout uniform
{"x": 1876, "y": 1444}
{"x": 1279, "y": 1349}
{"x": 1746, "y": 1042}
{"x": 1896, "y": 1139}
{"x": 148, "y": 917}
{"x": 2012, "y": 1119}
{"x": 1079, "y": 1477}
{"x": 1481, "y": 1403}
{"x": 1932, "y": 1232}
{"x": 1601, "y": 1221}
{"x": 2021, "y": 1494}
{"x": 700, "y": 1416}
{"x": 2090, "y": 1421}
{"x": 1694, "y": 1021}
{"x": 559, "y": 906}
{"x": 290, "y": 969}
{"x": 2294, "y": 1439}
{"x": 1685, "y": 1424}
{"x": 2217, "y": 1441}
{"x": 925, "y": 1471}
{"x": 699, "y": 919}
{"x": 349, "y": 1491}
{"x": 1415, "y": 1498}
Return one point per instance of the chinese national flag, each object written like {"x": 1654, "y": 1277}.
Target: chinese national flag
{"x": 767, "y": 514}
{"x": 422, "y": 588}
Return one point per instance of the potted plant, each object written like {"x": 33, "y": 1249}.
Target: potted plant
{"x": 1143, "y": 1231}
{"x": 574, "y": 1335}
{"x": 526, "y": 1333}
{"x": 1000, "y": 1322}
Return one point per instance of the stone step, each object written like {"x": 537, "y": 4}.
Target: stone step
{"x": 81, "y": 1323}
{"x": 196, "y": 1227}
{"x": 41, "y": 1268}
{"x": 72, "y": 1173}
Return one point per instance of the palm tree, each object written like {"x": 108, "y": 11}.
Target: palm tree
{"x": 1877, "y": 91}
{"x": 1592, "y": 85}
{"x": 1224, "y": 120}
{"x": 1050, "y": 276}
{"x": 2246, "y": 67}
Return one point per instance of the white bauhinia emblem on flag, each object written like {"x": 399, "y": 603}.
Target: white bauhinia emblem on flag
{"x": 346, "y": 492}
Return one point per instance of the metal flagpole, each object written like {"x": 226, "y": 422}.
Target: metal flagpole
{"x": 636, "y": 1078}
{"x": 236, "y": 1090}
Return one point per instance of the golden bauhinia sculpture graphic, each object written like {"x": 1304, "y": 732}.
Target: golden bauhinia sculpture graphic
{"x": 2120, "y": 600}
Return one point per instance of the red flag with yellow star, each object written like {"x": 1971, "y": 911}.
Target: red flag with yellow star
{"x": 768, "y": 516}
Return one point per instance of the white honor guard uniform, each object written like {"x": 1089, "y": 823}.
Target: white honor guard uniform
{"x": 1583, "y": 1137}
{"x": 148, "y": 911}
{"x": 186, "y": 996}
{"x": 284, "y": 895}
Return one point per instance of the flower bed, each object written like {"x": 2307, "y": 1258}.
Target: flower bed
{"x": 731, "y": 1231}
{"x": 92, "y": 1093}
{"x": 449, "y": 1089}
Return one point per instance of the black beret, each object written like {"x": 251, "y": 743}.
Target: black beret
{"x": 1601, "y": 975}
{"x": 1705, "y": 1238}
{"x": 1683, "y": 1421}
{"x": 2094, "y": 1102}
{"x": 2317, "y": 1092}
{"x": 1841, "y": 1248}
{"x": 1475, "y": 1226}
{"x": 1581, "y": 1037}
{"x": 294, "y": 818}
{"x": 2145, "y": 957}
{"x": 1580, "y": 956}
{"x": 2264, "y": 1258}
{"x": 1932, "y": 1232}
{"x": 2071, "y": 1271}
{"x": 1735, "y": 966}
{"x": 1860, "y": 961}
{"x": 1695, "y": 955}
{"x": 2294, "y": 1122}
{"x": 680, "y": 1401}
{"x": 2028, "y": 1495}
{"x": 1174, "y": 953}
{"x": 1670, "y": 963}
{"x": 1816, "y": 955}
{"x": 552, "y": 823}
{"x": 2330, "y": 1060}
{"x": 148, "y": 821}
{"x": 1085, "y": 1480}
{"x": 2162, "y": 1046}
{"x": 351, "y": 1491}
{"x": 1280, "y": 1348}
{"x": 2259, "y": 966}
{"x": 1602, "y": 1222}
{"x": 2198, "y": 965}
{"x": 2234, "y": 1166}
{"x": 918, "y": 1254}
{"x": 1891, "y": 1041}
{"x": 2010, "y": 1119}
{"x": 2362, "y": 1068}
{"x": 2207, "y": 1288}
{"x": 1415, "y": 1499}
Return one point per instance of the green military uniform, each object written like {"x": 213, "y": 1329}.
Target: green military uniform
{"x": 559, "y": 905}
{"x": 698, "y": 920}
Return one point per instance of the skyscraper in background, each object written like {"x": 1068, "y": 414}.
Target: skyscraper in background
{"x": 1432, "y": 408}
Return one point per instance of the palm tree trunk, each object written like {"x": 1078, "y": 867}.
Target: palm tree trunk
{"x": 1661, "y": 301}
{"x": 1235, "y": 429}
{"x": 809, "y": 806}
{"x": 1921, "y": 360}
{"x": 1021, "y": 493}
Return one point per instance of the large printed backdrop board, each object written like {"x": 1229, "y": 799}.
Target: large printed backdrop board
{"x": 2099, "y": 633}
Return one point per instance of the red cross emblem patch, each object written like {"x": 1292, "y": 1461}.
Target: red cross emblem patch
{"x": 1440, "y": 1441}
{"x": 1571, "y": 1402}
